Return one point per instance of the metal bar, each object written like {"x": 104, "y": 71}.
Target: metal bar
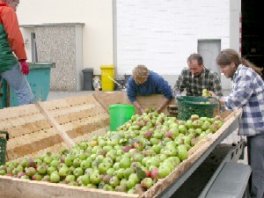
{"x": 34, "y": 53}
{"x": 171, "y": 189}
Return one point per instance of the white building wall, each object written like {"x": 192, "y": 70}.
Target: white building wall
{"x": 184, "y": 22}
{"x": 163, "y": 33}
{"x": 95, "y": 14}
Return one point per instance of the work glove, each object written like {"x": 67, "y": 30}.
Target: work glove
{"x": 24, "y": 67}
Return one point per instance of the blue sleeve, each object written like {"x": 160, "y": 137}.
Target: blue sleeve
{"x": 131, "y": 90}
{"x": 164, "y": 87}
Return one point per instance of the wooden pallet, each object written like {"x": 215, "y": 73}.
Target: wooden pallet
{"x": 81, "y": 117}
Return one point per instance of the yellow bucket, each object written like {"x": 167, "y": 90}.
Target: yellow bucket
{"x": 107, "y": 77}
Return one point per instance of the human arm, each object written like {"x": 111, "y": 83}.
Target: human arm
{"x": 242, "y": 91}
{"x": 244, "y": 86}
{"x": 180, "y": 84}
{"x": 216, "y": 85}
{"x": 138, "y": 106}
{"x": 132, "y": 94}
{"x": 131, "y": 90}
{"x": 14, "y": 36}
{"x": 166, "y": 90}
{"x": 165, "y": 102}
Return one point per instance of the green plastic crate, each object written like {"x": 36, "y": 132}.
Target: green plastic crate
{"x": 3, "y": 141}
{"x": 39, "y": 80}
{"x": 3, "y": 94}
{"x": 189, "y": 105}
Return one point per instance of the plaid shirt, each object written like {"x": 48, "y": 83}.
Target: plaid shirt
{"x": 248, "y": 93}
{"x": 194, "y": 85}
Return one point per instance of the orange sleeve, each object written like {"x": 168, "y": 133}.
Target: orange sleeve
{"x": 15, "y": 39}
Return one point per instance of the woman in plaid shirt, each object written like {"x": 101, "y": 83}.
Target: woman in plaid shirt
{"x": 247, "y": 93}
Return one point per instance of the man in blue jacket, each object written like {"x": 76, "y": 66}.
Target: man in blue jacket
{"x": 144, "y": 82}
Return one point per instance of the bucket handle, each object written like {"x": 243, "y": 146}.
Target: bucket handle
{"x": 6, "y": 134}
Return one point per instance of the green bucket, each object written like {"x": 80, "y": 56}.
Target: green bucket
{"x": 119, "y": 114}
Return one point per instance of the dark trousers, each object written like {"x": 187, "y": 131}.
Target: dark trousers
{"x": 256, "y": 161}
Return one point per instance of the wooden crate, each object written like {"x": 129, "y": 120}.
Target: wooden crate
{"x": 18, "y": 188}
{"x": 31, "y": 134}
{"x": 81, "y": 117}
{"x": 119, "y": 97}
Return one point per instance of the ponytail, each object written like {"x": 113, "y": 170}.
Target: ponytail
{"x": 249, "y": 64}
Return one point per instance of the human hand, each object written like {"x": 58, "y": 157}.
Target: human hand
{"x": 24, "y": 67}
{"x": 213, "y": 94}
{"x": 159, "y": 110}
{"x": 141, "y": 110}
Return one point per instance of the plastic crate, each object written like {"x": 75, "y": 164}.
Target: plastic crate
{"x": 3, "y": 141}
{"x": 189, "y": 105}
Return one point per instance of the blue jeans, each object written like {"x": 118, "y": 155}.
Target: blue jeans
{"x": 256, "y": 161}
{"x": 18, "y": 82}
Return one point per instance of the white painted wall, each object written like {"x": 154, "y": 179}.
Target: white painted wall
{"x": 162, "y": 33}
{"x": 95, "y": 14}
{"x": 166, "y": 30}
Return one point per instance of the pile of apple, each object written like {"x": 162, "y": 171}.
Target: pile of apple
{"x": 132, "y": 159}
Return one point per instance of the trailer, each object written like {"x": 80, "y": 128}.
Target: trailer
{"x": 83, "y": 117}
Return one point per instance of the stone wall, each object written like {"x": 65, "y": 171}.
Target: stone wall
{"x": 62, "y": 44}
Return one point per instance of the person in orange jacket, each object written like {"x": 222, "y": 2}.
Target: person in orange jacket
{"x": 13, "y": 65}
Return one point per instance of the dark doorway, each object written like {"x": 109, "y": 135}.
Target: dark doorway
{"x": 253, "y": 31}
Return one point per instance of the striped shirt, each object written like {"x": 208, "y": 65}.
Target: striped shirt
{"x": 248, "y": 93}
{"x": 194, "y": 85}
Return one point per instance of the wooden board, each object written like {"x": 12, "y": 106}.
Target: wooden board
{"x": 108, "y": 98}
{"x": 69, "y": 142}
{"x": 16, "y": 188}
{"x": 31, "y": 133}
{"x": 153, "y": 101}
{"x": 81, "y": 117}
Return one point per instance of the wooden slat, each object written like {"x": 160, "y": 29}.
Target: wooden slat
{"x": 18, "y": 188}
{"x": 107, "y": 98}
{"x": 88, "y": 136}
{"x": 27, "y": 126}
{"x": 56, "y": 125}
{"x": 30, "y": 146}
{"x": 13, "y": 112}
{"x": 53, "y": 149}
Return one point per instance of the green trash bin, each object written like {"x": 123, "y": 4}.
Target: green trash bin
{"x": 119, "y": 114}
{"x": 39, "y": 80}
